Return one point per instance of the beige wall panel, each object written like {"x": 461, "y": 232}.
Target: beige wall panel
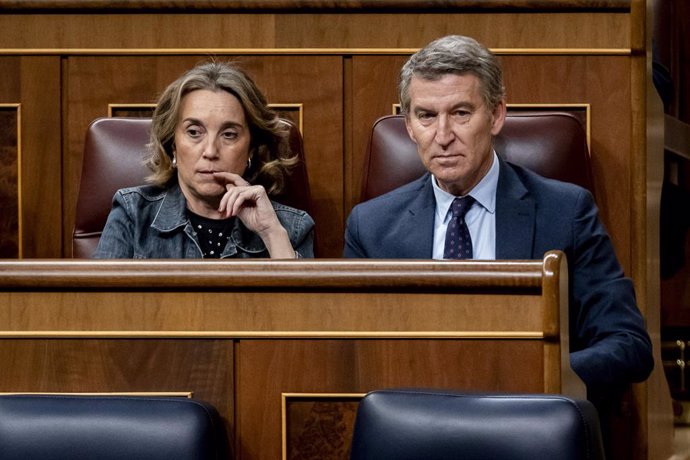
{"x": 312, "y": 30}
{"x": 315, "y": 82}
{"x": 34, "y": 82}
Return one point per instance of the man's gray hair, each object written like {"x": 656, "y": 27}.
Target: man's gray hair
{"x": 454, "y": 54}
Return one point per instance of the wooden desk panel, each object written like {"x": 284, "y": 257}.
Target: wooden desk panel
{"x": 329, "y": 370}
{"x": 164, "y": 367}
{"x": 278, "y": 346}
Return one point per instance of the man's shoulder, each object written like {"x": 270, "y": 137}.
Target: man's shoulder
{"x": 401, "y": 195}
{"x": 544, "y": 187}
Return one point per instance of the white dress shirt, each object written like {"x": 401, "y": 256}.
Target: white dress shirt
{"x": 480, "y": 219}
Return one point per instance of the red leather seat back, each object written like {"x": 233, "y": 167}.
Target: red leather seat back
{"x": 552, "y": 144}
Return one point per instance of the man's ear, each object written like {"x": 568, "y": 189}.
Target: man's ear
{"x": 409, "y": 128}
{"x": 498, "y": 117}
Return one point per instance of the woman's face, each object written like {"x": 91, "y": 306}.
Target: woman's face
{"x": 212, "y": 135}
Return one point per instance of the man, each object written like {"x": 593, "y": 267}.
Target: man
{"x": 472, "y": 204}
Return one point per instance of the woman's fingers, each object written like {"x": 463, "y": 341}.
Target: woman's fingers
{"x": 230, "y": 178}
{"x": 234, "y": 183}
{"x": 239, "y": 198}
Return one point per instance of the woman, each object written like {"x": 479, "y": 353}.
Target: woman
{"x": 216, "y": 152}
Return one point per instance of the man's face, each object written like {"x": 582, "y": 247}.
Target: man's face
{"x": 453, "y": 128}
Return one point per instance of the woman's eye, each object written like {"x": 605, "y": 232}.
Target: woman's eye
{"x": 230, "y": 135}
{"x": 193, "y": 132}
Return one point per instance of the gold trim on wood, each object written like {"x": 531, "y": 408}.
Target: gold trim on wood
{"x": 154, "y": 394}
{"x": 20, "y": 223}
{"x": 475, "y": 335}
{"x": 295, "y": 106}
{"x": 298, "y": 107}
{"x": 422, "y": 275}
{"x": 300, "y": 51}
{"x": 283, "y": 409}
{"x": 564, "y": 107}
{"x": 116, "y": 106}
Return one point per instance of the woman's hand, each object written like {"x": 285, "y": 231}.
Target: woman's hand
{"x": 251, "y": 205}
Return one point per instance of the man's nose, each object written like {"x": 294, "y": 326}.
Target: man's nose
{"x": 444, "y": 131}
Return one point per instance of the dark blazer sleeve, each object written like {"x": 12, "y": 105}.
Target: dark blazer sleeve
{"x": 609, "y": 342}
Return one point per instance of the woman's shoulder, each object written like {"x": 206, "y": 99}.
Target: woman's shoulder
{"x": 145, "y": 192}
{"x": 289, "y": 215}
{"x": 279, "y": 207}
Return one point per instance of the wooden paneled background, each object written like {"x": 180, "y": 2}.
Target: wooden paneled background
{"x": 64, "y": 61}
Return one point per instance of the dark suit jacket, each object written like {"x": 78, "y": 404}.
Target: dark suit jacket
{"x": 608, "y": 340}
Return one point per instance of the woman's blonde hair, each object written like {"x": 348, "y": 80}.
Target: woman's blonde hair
{"x": 271, "y": 158}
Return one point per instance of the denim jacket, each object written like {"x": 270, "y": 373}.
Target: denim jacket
{"x": 151, "y": 222}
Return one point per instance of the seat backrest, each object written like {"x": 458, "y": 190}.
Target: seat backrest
{"x": 114, "y": 153}
{"x": 552, "y": 144}
{"x": 435, "y": 425}
{"x": 62, "y": 427}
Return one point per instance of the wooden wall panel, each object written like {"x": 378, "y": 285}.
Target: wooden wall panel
{"x": 396, "y": 30}
{"x": 604, "y": 83}
{"x": 374, "y": 91}
{"x": 34, "y": 83}
{"x": 95, "y": 82}
{"x": 337, "y": 30}
{"x": 9, "y": 182}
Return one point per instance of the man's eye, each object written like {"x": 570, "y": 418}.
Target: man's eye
{"x": 424, "y": 116}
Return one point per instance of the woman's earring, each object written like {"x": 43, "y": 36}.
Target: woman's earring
{"x": 174, "y": 161}
{"x": 249, "y": 163}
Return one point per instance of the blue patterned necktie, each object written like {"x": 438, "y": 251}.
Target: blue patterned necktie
{"x": 458, "y": 241}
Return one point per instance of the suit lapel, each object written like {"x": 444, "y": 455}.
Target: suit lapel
{"x": 416, "y": 225}
{"x": 515, "y": 216}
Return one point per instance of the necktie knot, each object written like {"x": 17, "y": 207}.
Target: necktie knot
{"x": 460, "y": 206}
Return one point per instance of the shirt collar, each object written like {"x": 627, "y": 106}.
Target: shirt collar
{"x": 483, "y": 193}
{"x": 172, "y": 212}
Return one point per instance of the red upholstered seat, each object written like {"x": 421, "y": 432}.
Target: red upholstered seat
{"x": 552, "y": 144}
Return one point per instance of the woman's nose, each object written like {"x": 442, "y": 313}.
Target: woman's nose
{"x": 210, "y": 149}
